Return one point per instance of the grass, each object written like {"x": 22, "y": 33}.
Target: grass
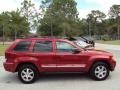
{"x": 2, "y": 49}
{"x": 113, "y": 42}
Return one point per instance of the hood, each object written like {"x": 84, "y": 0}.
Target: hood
{"x": 99, "y": 52}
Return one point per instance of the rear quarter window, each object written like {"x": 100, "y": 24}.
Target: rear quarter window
{"x": 22, "y": 46}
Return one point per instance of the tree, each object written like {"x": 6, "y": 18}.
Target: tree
{"x": 114, "y": 13}
{"x": 110, "y": 29}
{"x": 4, "y": 22}
{"x": 31, "y": 13}
{"x": 60, "y": 17}
{"x": 18, "y": 24}
{"x": 13, "y": 25}
{"x": 90, "y": 21}
{"x": 94, "y": 17}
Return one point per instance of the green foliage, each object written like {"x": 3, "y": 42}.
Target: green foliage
{"x": 95, "y": 18}
{"x": 11, "y": 22}
{"x": 105, "y": 38}
{"x": 115, "y": 11}
{"x": 29, "y": 11}
{"x": 115, "y": 14}
{"x": 60, "y": 17}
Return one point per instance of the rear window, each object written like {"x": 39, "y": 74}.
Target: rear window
{"x": 22, "y": 46}
{"x": 43, "y": 46}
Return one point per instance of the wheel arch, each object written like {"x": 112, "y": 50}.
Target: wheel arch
{"x": 99, "y": 60}
{"x": 26, "y": 63}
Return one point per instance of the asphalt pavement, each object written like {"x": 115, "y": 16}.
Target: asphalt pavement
{"x": 9, "y": 81}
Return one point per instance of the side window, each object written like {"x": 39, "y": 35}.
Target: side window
{"x": 22, "y": 46}
{"x": 64, "y": 47}
{"x": 43, "y": 46}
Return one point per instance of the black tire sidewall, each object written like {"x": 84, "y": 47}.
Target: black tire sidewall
{"x": 92, "y": 71}
{"x": 32, "y": 68}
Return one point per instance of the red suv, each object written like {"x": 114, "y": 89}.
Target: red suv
{"x": 32, "y": 56}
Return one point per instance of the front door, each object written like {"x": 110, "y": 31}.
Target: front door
{"x": 67, "y": 60}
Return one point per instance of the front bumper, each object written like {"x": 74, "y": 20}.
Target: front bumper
{"x": 10, "y": 67}
{"x": 113, "y": 65}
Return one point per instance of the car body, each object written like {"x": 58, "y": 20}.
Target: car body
{"x": 87, "y": 39}
{"x": 83, "y": 44}
{"x": 31, "y": 56}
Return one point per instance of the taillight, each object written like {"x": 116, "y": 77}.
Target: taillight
{"x": 6, "y": 55}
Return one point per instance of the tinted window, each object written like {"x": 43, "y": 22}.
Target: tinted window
{"x": 64, "y": 47}
{"x": 22, "y": 46}
{"x": 43, "y": 46}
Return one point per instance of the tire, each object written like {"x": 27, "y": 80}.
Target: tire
{"x": 99, "y": 71}
{"x": 27, "y": 74}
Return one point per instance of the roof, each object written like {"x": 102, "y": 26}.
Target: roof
{"x": 42, "y": 38}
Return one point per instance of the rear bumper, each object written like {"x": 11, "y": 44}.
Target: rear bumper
{"x": 10, "y": 67}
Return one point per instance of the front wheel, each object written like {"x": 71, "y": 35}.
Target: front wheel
{"x": 27, "y": 73}
{"x": 99, "y": 71}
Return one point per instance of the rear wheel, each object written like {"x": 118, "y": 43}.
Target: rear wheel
{"x": 99, "y": 71}
{"x": 27, "y": 73}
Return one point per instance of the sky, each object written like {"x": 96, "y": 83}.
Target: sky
{"x": 84, "y": 6}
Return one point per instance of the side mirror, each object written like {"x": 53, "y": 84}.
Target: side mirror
{"x": 76, "y": 51}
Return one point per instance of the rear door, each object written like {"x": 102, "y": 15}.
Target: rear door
{"x": 43, "y": 50}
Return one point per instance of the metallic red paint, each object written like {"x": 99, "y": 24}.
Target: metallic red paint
{"x": 56, "y": 61}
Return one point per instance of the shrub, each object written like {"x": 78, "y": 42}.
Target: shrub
{"x": 105, "y": 38}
